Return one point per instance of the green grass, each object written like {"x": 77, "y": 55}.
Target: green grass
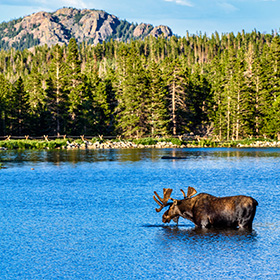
{"x": 145, "y": 141}
{"x": 33, "y": 144}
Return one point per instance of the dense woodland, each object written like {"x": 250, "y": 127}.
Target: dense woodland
{"x": 226, "y": 86}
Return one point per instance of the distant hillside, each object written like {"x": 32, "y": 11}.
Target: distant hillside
{"x": 92, "y": 26}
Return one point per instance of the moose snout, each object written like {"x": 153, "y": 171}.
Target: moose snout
{"x": 165, "y": 220}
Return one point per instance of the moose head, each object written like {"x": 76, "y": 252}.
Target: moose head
{"x": 173, "y": 211}
{"x": 206, "y": 210}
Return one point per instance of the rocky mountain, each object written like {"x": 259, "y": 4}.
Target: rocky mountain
{"x": 93, "y": 26}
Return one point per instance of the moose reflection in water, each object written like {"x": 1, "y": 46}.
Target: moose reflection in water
{"x": 207, "y": 211}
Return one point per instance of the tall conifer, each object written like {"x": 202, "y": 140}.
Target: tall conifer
{"x": 177, "y": 81}
{"x": 5, "y": 91}
{"x": 56, "y": 96}
{"x": 157, "y": 102}
{"x": 132, "y": 95}
{"x": 18, "y": 117}
{"x": 75, "y": 89}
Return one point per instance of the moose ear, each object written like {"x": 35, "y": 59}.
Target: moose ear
{"x": 191, "y": 192}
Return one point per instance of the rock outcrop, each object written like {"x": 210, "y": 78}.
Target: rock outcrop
{"x": 119, "y": 145}
{"x": 93, "y": 26}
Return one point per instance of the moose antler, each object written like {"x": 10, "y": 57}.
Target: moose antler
{"x": 191, "y": 192}
{"x": 162, "y": 202}
{"x": 183, "y": 193}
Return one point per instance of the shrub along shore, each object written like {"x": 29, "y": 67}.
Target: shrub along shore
{"x": 161, "y": 143}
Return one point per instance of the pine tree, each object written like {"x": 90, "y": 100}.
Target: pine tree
{"x": 35, "y": 86}
{"x": 230, "y": 97}
{"x": 17, "y": 113}
{"x": 56, "y": 97}
{"x": 157, "y": 102}
{"x": 103, "y": 110}
{"x": 252, "y": 74}
{"x": 244, "y": 101}
{"x": 177, "y": 80}
{"x": 72, "y": 97}
{"x": 35, "y": 89}
{"x": 132, "y": 95}
{"x": 5, "y": 91}
{"x": 75, "y": 89}
{"x": 199, "y": 102}
{"x": 272, "y": 120}
{"x": 217, "y": 78}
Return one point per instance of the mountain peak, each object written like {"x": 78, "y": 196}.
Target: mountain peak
{"x": 92, "y": 26}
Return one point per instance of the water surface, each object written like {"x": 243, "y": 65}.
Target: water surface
{"x": 90, "y": 215}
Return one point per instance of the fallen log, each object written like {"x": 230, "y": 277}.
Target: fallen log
{"x": 172, "y": 157}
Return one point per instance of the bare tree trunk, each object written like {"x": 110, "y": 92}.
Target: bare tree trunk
{"x": 57, "y": 101}
{"x": 228, "y": 118}
{"x": 220, "y": 120}
{"x": 238, "y": 113}
{"x": 174, "y": 110}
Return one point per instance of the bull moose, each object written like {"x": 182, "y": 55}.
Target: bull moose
{"x": 207, "y": 211}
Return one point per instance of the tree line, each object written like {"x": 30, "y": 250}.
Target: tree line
{"x": 227, "y": 86}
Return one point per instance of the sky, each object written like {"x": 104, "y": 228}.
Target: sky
{"x": 194, "y": 16}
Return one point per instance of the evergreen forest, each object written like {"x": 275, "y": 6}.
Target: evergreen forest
{"x": 225, "y": 86}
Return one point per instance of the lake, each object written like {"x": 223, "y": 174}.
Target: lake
{"x": 89, "y": 214}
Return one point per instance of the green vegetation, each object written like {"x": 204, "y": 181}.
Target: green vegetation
{"x": 145, "y": 141}
{"x": 10, "y": 27}
{"x": 33, "y": 144}
{"x": 78, "y": 17}
{"x": 223, "y": 87}
{"x": 148, "y": 142}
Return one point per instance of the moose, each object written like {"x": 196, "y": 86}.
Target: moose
{"x": 207, "y": 211}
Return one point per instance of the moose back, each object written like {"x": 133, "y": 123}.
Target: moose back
{"x": 206, "y": 210}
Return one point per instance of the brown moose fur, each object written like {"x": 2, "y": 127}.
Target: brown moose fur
{"x": 206, "y": 210}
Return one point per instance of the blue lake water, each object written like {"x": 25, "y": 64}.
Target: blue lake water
{"x": 90, "y": 215}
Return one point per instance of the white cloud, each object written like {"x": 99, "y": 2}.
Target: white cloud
{"x": 12, "y": 9}
{"x": 227, "y": 7}
{"x": 74, "y": 3}
{"x": 44, "y": 3}
{"x": 181, "y": 2}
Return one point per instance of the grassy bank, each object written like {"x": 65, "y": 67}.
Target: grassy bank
{"x": 33, "y": 144}
{"x": 203, "y": 143}
{"x": 133, "y": 143}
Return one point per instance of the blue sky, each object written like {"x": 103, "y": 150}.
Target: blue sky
{"x": 195, "y": 16}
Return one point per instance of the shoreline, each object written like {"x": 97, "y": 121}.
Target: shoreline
{"x": 131, "y": 144}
